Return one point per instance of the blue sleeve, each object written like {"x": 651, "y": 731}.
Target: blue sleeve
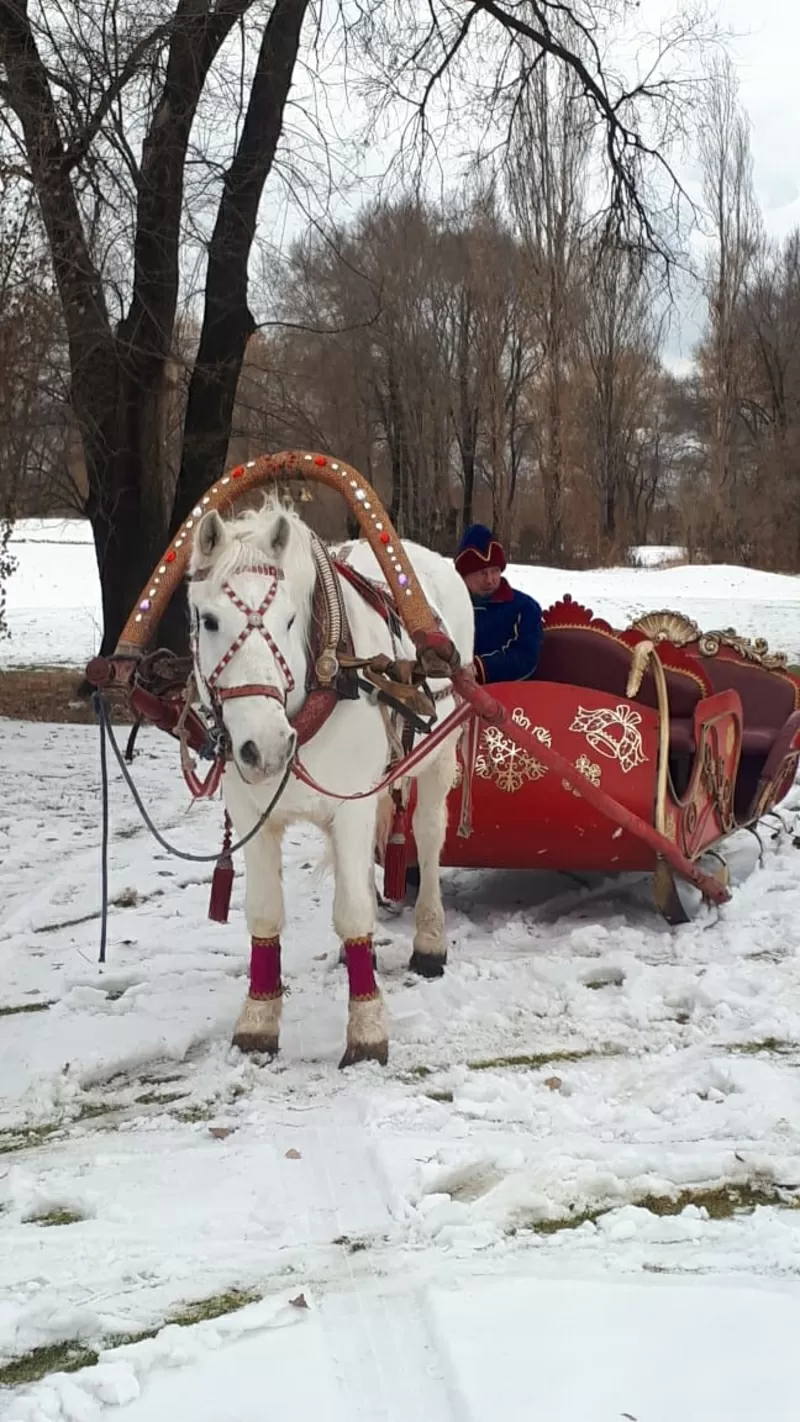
{"x": 519, "y": 657}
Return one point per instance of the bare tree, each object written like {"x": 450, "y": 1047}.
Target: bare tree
{"x": 33, "y": 413}
{"x": 113, "y": 115}
{"x": 99, "y": 103}
{"x": 451, "y": 67}
{"x": 728, "y": 193}
{"x": 511, "y": 355}
{"x": 621, "y": 341}
{"x": 546, "y": 178}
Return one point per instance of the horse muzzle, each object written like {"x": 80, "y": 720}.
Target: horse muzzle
{"x": 261, "y": 760}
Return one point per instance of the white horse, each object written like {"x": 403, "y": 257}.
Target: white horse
{"x": 251, "y": 593}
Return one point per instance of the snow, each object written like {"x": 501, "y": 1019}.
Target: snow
{"x": 651, "y": 555}
{"x": 53, "y": 601}
{"x": 399, "y": 1230}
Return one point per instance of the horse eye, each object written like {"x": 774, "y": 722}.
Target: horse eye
{"x": 290, "y": 623}
{"x": 210, "y": 622}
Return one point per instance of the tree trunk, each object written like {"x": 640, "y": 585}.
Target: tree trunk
{"x": 227, "y": 321}
{"x": 468, "y": 465}
{"x": 553, "y": 472}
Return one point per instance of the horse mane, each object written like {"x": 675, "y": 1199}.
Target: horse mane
{"x": 250, "y": 545}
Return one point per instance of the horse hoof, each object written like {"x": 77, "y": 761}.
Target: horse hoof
{"x": 365, "y": 1052}
{"x": 255, "y": 1044}
{"x": 427, "y": 964}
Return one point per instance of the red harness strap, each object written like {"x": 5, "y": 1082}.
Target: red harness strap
{"x": 377, "y": 597}
{"x": 254, "y": 623}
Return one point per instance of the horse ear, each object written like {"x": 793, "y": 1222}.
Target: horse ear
{"x": 279, "y": 536}
{"x": 211, "y": 534}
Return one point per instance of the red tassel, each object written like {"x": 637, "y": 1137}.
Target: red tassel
{"x": 222, "y": 880}
{"x": 396, "y": 860}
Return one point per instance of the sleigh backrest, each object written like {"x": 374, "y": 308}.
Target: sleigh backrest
{"x": 585, "y": 651}
{"x": 768, "y": 697}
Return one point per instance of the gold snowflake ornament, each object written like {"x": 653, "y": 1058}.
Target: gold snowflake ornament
{"x": 506, "y": 763}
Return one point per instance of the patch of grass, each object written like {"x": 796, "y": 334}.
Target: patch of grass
{"x": 127, "y": 1340}
{"x": 421, "y": 1071}
{"x": 15, "y": 1009}
{"x": 48, "y": 1218}
{"x": 192, "y": 1115}
{"x": 92, "y": 1109}
{"x": 445, "y": 1096}
{"x": 722, "y": 1202}
{"x": 572, "y": 1221}
{"x": 154, "y": 1098}
{"x": 353, "y": 1246}
{"x": 775, "y": 1045}
{"x": 49, "y": 694}
{"x": 215, "y": 1307}
{"x": 54, "y": 1358}
{"x": 532, "y": 1061}
{"x": 70, "y": 1355}
{"x": 15, "y": 1138}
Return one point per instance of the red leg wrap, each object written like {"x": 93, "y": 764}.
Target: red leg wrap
{"x": 360, "y": 972}
{"x": 265, "y": 968}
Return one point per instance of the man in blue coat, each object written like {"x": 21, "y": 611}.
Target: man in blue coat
{"x": 508, "y": 623}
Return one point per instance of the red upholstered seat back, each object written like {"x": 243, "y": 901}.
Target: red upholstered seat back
{"x": 768, "y": 699}
{"x": 590, "y": 656}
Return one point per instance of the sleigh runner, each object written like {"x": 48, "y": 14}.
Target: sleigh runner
{"x": 644, "y": 748}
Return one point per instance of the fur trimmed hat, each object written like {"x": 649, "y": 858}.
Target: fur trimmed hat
{"x": 479, "y": 549}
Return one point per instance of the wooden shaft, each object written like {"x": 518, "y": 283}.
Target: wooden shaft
{"x": 361, "y": 500}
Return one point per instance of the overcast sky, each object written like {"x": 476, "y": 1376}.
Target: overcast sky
{"x": 765, "y": 50}
{"x": 764, "y": 44}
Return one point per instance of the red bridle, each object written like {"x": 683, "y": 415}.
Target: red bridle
{"x": 254, "y": 623}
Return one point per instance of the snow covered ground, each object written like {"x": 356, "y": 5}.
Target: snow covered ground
{"x": 54, "y": 600}
{"x": 528, "y": 1214}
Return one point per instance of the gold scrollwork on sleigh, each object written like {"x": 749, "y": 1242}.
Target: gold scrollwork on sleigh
{"x": 756, "y": 651}
{"x": 681, "y": 631}
{"x": 719, "y": 786}
{"x": 668, "y": 627}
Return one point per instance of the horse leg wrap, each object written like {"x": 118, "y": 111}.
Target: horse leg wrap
{"x": 258, "y": 1027}
{"x": 367, "y": 1034}
{"x": 360, "y": 960}
{"x": 265, "y": 968}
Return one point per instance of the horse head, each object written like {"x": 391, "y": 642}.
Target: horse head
{"x": 251, "y": 589}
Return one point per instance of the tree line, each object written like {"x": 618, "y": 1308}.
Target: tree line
{"x": 495, "y": 354}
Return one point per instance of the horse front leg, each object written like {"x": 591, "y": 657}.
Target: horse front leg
{"x": 258, "y": 1025}
{"x": 430, "y": 827}
{"x": 353, "y": 839}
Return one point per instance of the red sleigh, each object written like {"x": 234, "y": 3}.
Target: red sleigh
{"x": 710, "y": 750}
